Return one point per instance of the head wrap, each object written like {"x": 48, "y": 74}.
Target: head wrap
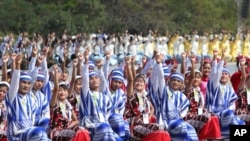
{"x": 24, "y": 76}
{"x": 40, "y": 76}
{"x": 177, "y": 75}
{"x": 5, "y": 83}
{"x": 226, "y": 70}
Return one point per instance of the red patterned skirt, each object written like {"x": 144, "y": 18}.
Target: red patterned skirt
{"x": 206, "y": 126}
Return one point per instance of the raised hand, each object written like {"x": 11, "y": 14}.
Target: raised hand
{"x": 108, "y": 55}
{"x": 39, "y": 60}
{"x": 5, "y": 59}
{"x": 159, "y": 58}
{"x": 65, "y": 53}
{"x": 45, "y": 51}
{"x": 19, "y": 59}
{"x": 132, "y": 59}
{"x": 215, "y": 52}
{"x": 34, "y": 51}
{"x": 193, "y": 59}
{"x": 75, "y": 62}
{"x": 99, "y": 63}
{"x": 183, "y": 55}
{"x": 128, "y": 59}
{"x": 13, "y": 56}
{"x": 243, "y": 61}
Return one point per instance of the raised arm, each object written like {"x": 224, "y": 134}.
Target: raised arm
{"x": 130, "y": 85}
{"x": 149, "y": 64}
{"x": 133, "y": 66}
{"x": 183, "y": 62}
{"x": 243, "y": 74}
{"x": 106, "y": 65}
{"x": 157, "y": 78}
{"x": 73, "y": 78}
{"x": 103, "y": 86}
{"x": 56, "y": 87}
{"x": 33, "y": 59}
{"x": 85, "y": 73}
{"x": 44, "y": 65}
{"x": 4, "y": 68}
{"x": 215, "y": 79}
{"x": 192, "y": 75}
{"x": 14, "y": 84}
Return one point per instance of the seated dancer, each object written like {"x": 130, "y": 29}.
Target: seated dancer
{"x": 115, "y": 92}
{"x": 139, "y": 111}
{"x": 221, "y": 98}
{"x": 205, "y": 68}
{"x": 206, "y": 125}
{"x": 95, "y": 107}
{"x": 170, "y": 103}
{"x": 64, "y": 122}
{"x": 4, "y": 87}
{"x": 41, "y": 80}
{"x": 22, "y": 109}
{"x": 243, "y": 104}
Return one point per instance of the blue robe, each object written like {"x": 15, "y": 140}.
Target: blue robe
{"x": 94, "y": 111}
{"x": 118, "y": 124}
{"x": 169, "y": 108}
{"x": 220, "y": 100}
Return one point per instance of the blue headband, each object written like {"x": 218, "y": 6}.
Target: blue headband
{"x": 91, "y": 64}
{"x": 226, "y": 70}
{"x": 93, "y": 73}
{"x": 25, "y": 77}
{"x": 117, "y": 77}
{"x": 177, "y": 76}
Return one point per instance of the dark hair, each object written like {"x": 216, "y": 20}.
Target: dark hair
{"x": 64, "y": 87}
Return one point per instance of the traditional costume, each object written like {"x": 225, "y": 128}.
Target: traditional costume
{"x": 170, "y": 106}
{"x": 221, "y": 99}
{"x": 94, "y": 110}
{"x": 21, "y": 113}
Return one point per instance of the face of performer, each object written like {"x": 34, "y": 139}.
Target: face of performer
{"x": 94, "y": 82}
{"x": 206, "y": 69}
{"x": 3, "y": 91}
{"x": 116, "y": 84}
{"x": 197, "y": 79}
{"x": 62, "y": 92}
{"x": 139, "y": 84}
{"x": 224, "y": 78}
{"x": 175, "y": 83}
{"x": 24, "y": 87}
{"x": 78, "y": 85}
{"x": 38, "y": 85}
{"x": 64, "y": 75}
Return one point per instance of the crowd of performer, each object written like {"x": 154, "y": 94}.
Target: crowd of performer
{"x": 62, "y": 88}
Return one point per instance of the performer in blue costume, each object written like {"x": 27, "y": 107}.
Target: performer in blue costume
{"x": 221, "y": 97}
{"x": 95, "y": 106}
{"x": 170, "y": 103}
{"x": 21, "y": 108}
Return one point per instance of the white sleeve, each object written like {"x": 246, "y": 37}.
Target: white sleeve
{"x": 106, "y": 69}
{"x": 14, "y": 85}
{"x": 103, "y": 86}
{"x": 46, "y": 71}
{"x": 32, "y": 64}
{"x": 161, "y": 78}
{"x": 215, "y": 79}
{"x": 85, "y": 79}
{"x": 147, "y": 66}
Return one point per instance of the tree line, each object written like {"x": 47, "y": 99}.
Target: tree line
{"x": 46, "y": 16}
